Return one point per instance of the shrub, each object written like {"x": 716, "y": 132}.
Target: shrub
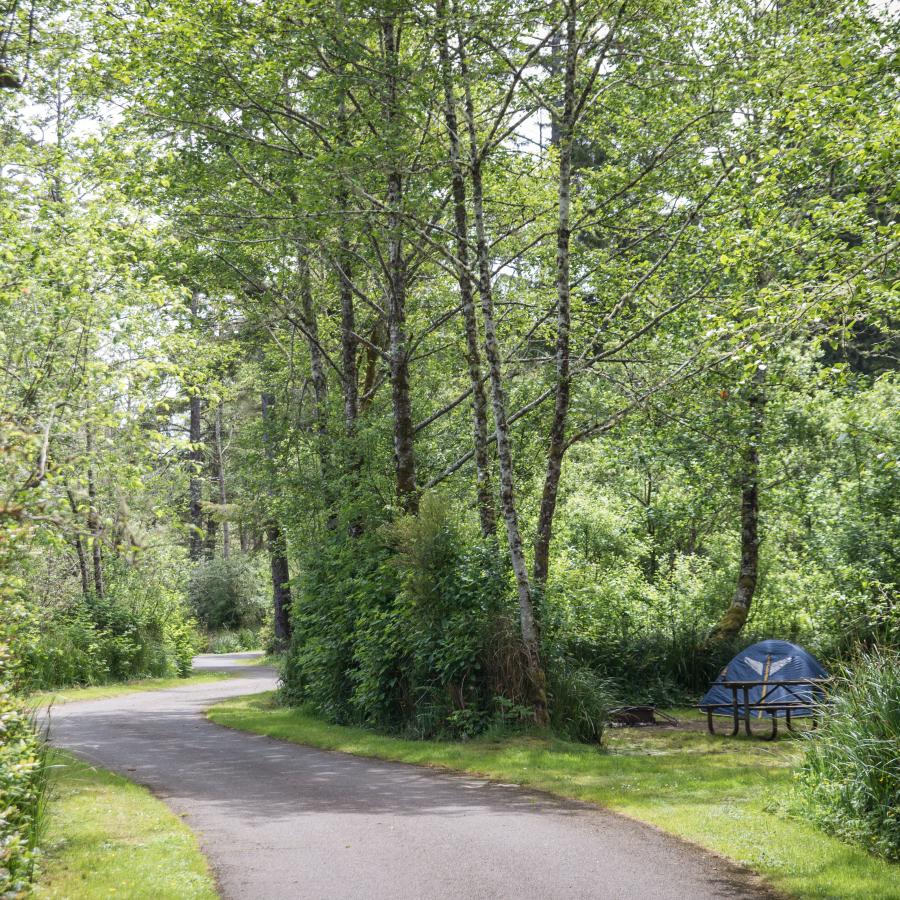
{"x": 850, "y": 776}
{"x": 580, "y": 701}
{"x": 397, "y": 629}
{"x": 647, "y": 638}
{"x": 234, "y": 641}
{"x": 22, "y": 790}
{"x": 138, "y": 629}
{"x": 226, "y": 594}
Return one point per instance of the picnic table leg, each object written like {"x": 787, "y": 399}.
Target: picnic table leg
{"x": 787, "y": 721}
{"x": 712, "y": 727}
{"x": 774, "y": 734}
{"x": 734, "y": 713}
{"x": 746, "y": 710}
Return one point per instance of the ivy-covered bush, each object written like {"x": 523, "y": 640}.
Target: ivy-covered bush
{"x": 850, "y": 777}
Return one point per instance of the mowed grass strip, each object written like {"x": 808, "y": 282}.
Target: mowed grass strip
{"x": 108, "y": 837}
{"x": 725, "y": 794}
{"x": 114, "y": 689}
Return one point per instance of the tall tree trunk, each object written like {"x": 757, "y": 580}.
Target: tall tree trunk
{"x": 212, "y": 479}
{"x": 531, "y": 653}
{"x": 486, "y": 511}
{"x": 79, "y": 548}
{"x": 557, "y": 445}
{"x": 212, "y": 527}
{"x": 281, "y": 592}
{"x": 93, "y": 523}
{"x": 220, "y": 472}
{"x": 378, "y": 339}
{"x": 404, "y": 430}
{"x": 349, "y": 368}
{"x": 316, "y": 360}
{"x": 735, "y": 617}
{"x": 195, "y": 457}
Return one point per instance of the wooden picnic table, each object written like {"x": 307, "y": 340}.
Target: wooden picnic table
{"x": 788, "y": 707}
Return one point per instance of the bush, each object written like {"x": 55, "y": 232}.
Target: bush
{"x": 226, "y": 594}
{"x": 234, "y": 641}
{"x": 138, "y": 629}
{"x": 850, "y": 777}
{"x": 401, "y": 629}
{"x": 580, "y": 701}
{"x": 22, "y": 791}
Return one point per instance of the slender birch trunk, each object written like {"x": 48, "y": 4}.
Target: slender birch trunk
{"x": 93, "y": 523}
{"x": 486, "y": 511}
{"x": 316, "y": 360}
{"x": 195, "y": 457}
{"x": 530, "y": 642}
{"x": 209, "y": 543}
{"x": 349, "y": 365}
{"x": 79, "y": 548}
{"x": 377, "y": 338}
{"x": 404, "y": 431}
{"x": 557, "y": 443}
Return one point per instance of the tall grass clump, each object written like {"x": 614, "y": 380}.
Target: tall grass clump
{"x": 850, "y": 776}
{"x": 580, "y": 701}
{"x": 235, "y": 641}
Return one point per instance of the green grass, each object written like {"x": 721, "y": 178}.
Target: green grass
{"x": 105, "y": 691}
{"x": 725, "y": 794}
{"x": 108, "y": 837}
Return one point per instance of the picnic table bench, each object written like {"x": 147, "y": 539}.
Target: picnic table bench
{"x": 803, "y": 703}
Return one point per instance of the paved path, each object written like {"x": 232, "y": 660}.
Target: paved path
{"x": 278, "y": 820}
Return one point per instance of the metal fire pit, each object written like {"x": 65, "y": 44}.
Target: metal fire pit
{"x": 638, "y": 717}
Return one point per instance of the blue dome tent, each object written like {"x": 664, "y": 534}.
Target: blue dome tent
{"x": 769, "y": 664}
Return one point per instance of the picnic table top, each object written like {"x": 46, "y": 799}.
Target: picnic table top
{"x": 763, "y": 705}
{"x": 772, "y": 682}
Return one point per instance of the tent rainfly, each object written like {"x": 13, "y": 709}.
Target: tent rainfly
{"x": 769, "y": 662}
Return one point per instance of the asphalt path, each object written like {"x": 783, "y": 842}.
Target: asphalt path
{"x": 278, "y": 820}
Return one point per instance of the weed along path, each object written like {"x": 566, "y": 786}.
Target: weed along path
{"x": 279, "y": 820}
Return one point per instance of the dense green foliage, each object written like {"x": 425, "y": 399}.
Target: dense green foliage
{"x": 227, "y": 594}
{"x": 851, "y": 772}
{"x": 414, "y": 633}
{"x": 22, "y": 792}
{"x": 138, "y": 629}
{"x": 22, "y": 786}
